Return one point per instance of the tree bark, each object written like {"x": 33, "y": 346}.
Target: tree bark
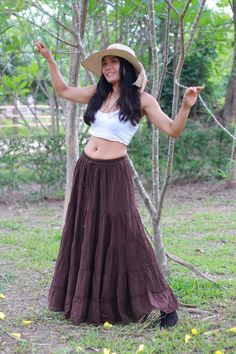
{"x": 72, "y": 142}
{"x": 229, "y": 112}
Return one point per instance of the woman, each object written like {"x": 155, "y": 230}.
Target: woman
{"x": 106, "y": 269}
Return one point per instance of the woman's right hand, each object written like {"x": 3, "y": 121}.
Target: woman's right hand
{"x": 44, "y": 51}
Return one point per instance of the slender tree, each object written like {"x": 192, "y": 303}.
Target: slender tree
{"x": 155, "y": 207}
{"x": 229, "y": 112}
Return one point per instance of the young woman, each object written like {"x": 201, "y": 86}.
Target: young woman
{"x": 106, "y": 269}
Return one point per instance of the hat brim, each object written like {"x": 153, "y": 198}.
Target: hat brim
{"x": 94, "y": 62}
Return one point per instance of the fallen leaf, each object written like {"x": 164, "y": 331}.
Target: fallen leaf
{"x": 199, "y": 250}
{"x": 107, "y": 325}
{"x": 106, "y": 351}
{"x": 215, "y": 331}
{"x": 26, "y": 323}
{"x": 140, "y": 348}
{"x": 187, "y": 338}
{"x": 2, "y": 315}
{"x": 233, "y": 329}
{"x": 2, "y": 296}
{"x": 15, "y": 335}
{"x": 194, "y": 331}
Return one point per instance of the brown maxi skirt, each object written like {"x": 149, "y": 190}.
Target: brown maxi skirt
{"x": 106, "y": 269}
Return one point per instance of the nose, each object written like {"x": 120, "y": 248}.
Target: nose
{"x": 107, "y": 66}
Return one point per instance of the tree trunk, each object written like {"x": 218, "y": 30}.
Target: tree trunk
{"x": 155, "y": 208}
{"x": 157, "y": 232}
{"x": 72, "y": 142}
{"x": 229, "y": 112}
{"x": 232, "y": 167}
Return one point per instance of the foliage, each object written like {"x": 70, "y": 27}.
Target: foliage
{"x": 207, "y": 62}
{"x": 38, "y": 160}
{"x": 200, "y": 153}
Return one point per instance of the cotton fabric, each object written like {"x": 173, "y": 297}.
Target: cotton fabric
{"x": 106, "y": 269}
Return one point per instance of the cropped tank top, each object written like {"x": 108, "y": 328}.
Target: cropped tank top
{"x": 109, "y": 126}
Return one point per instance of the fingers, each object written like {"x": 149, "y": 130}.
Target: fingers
{"x": 40, "y": 45}
{"x": 195, "y": 89}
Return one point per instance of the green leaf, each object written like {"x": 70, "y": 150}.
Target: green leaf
{"x": 6, "y": 29}
{"x": 24, "y": 91}
{"x": 16, "y": 41}
{"x": 91, "y": 5}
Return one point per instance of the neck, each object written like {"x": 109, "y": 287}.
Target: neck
{"x": 115, "y": 89}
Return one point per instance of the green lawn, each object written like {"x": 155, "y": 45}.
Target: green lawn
{"x": 201, "y": 232}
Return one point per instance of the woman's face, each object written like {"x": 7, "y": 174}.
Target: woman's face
{"x": 111, "y": 69}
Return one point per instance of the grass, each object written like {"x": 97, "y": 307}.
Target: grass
{"x": 202, "y": 234}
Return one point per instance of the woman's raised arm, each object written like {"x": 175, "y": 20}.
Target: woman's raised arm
{"x": 75, "y": 94}
{"x": 156, "y": 116}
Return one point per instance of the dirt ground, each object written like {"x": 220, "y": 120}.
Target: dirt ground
{"x": 184, "y": 191}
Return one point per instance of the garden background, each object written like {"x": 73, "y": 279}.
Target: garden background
{"x": 198, "y": 216}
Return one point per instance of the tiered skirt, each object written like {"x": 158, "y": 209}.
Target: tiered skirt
{"x": 106, "y": 269}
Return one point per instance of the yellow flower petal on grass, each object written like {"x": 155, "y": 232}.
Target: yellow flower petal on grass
{"x": 15, "y": 335}
{"x": 107, "y": 325}
{"x": 2, "y": 296}
{"x": 2, "y": 315}
{"x": 106, "y": 351}
{"x": 233, "y": 329}
{"x": 187, "y": 338}
{"x": 194, "y": 331}
{"x": 219, "y": 352}
{"x": 26, "y": 323}
{"x": 215, "y": 331}
{"x": 140, "y": 348}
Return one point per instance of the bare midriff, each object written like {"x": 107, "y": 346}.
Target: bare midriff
{"x": 99, "y": 148}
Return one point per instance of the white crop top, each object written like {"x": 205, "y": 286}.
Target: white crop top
{"x": 109, "y": 126}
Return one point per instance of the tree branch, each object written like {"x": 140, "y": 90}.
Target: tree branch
{"x": 189, "y": 266}
{"x": 194, "y": 26}
{"x": 42, "y": 28}
{"x": 37, "y": 6}
{"x": 172, "y": 7}
{"x": 142, "y": 191}
{"x": 210, "y": 112}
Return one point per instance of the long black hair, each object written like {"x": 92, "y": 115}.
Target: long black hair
{"x": 128, "y": 102}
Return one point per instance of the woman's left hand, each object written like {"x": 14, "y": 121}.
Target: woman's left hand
{"x": 191, "y": 95}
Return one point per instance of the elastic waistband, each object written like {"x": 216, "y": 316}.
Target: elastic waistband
{"x": 85, "y": 157}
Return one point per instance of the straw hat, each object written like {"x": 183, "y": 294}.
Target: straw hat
{"x": 94, "y": 62}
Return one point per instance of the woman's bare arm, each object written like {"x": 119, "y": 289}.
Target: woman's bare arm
{"x": 75, "y": 94}
{"x": 156, "y": 116}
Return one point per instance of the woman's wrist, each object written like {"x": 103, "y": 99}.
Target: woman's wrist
{"x": 51, "y": 60}
{"x": 186, "y": 106}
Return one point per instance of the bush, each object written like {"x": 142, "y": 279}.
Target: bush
{"x": 38, "y": 160}
{"x": 199, "y": 153}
